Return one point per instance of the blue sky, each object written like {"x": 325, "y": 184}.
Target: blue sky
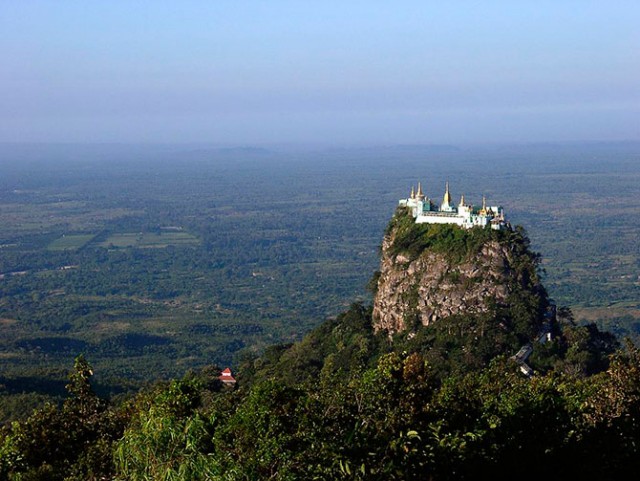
{"x": 343, "y": 72}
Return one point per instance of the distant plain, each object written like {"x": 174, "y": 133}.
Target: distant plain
{"x": 153, "y": 260}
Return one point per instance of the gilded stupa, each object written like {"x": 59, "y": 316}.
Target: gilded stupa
{"x": 425, "y": 211}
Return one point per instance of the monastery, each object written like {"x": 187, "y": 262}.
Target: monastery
{"x": 426, "y": 211}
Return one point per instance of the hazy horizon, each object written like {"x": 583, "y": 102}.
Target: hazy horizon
{"x": 334, "y": 73}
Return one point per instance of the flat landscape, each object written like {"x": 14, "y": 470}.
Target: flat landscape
{"x": 153, "y": 260}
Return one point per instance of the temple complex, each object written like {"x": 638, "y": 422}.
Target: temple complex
{"x": 426, "y": 211}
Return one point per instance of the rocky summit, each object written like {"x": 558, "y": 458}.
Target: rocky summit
{"x": 431, "y": 272}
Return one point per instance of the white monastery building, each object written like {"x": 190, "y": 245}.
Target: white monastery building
{"x": 426, "y": 211}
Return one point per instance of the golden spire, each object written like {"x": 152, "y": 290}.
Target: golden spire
{"x": 447, "y": 196}
{"x": 413, "y": 193}
{"x": 420, "y": 195}
{"x": 483, "y": 211}
{"x": 462, "y": 200}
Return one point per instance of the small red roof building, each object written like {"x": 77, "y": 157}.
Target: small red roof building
{"x": 226, "y": 377}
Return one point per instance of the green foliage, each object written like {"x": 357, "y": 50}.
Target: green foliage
{"x": 73, "y": 442}
{"x": 456, "y": 243}
{"x": 372, "y": 284}
{"x": 342, "y": 346}
{"x": 167, "y": 439}
{"x": 588, "y": 349}
{"x": 362, "y": 414}
{"x": 460, "y": 343}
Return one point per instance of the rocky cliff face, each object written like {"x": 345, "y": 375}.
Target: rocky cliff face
{"x": 421, "y": 288}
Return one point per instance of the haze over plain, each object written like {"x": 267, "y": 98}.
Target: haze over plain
{"x": 330, "y": 72}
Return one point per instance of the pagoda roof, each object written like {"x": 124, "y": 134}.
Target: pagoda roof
{"x": 227, "y": 376}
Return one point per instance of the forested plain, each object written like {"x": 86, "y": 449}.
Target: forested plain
{"x": 156, "y": 260}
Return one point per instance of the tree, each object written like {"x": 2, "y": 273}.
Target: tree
{"x": 72, "y": 443}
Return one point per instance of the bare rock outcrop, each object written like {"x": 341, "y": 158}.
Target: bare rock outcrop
{"x": 432, "y": 286}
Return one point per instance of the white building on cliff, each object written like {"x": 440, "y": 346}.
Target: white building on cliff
{"x": 426, "y": 211}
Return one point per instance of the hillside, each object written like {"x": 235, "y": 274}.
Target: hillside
{"x": 458, "y": 297}
{"x": 421, "y": 385}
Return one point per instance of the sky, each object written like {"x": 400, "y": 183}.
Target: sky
{"x": 333, "y": 72}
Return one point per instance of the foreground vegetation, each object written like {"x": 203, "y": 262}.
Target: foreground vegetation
{"x": 347, "y": 404}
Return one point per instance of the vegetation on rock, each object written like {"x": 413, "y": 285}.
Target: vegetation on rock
{"x": 457, "y": 244}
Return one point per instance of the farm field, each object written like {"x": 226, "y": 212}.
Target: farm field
{"x": 148, "y": 240}
{"x": 70, "y": 242}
